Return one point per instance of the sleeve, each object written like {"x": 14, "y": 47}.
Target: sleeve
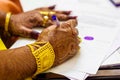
{"x": 2, "y": 46}
{"x": 13, "y": 6}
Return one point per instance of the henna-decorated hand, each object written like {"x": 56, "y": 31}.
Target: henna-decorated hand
{"x": 22, "y": 24}
{"x": 63, "y": 38}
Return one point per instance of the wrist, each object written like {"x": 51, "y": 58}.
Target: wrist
{"x": 31, "y": 60}
{"x": 44, "y": 55}
{"x": 27, "y": 61}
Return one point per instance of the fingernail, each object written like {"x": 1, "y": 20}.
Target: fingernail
{"x": 67, "y": 12}
{"x": 52, "y": 7}
{"x": 34, "y": 34}
{"x": 72, "y": 17}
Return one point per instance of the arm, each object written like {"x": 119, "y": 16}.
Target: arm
{"x": 2, "y": 19}
{"x": 17, "y": 64}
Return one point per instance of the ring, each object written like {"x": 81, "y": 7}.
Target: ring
{"x": 52, "y": 13}
{"x": 44, "y": 13}
{"x": 45, "y": 19}
{"x": 47, "y": 13}
{"x": 46, "y": 16}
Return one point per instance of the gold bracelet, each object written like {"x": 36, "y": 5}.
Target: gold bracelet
{"x": 44, "y": 55}
{"x": 7, "y": 20}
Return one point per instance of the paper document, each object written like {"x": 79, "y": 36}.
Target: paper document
{"x": 115, "y": 46}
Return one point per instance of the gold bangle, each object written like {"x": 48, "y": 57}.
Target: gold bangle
{"x": 7, "y": 20}
{"x": 44, "y": 56}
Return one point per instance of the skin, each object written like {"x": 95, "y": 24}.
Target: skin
{"x": 63, "y": 38}
{"x": 22, "y": 24}
{"x": 19, "y": 63}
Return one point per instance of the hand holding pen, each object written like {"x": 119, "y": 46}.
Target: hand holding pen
{"x": 35, "y": 34}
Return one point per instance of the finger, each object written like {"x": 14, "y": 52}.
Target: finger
{"x": 63, "y": 17}
{"x": 49, "y": 23}
{"x": 63, "y": 12}
{"x": 26, "y": 32}
{"x": 47, "y": 8}
{"x": 73, "y": 23}
{"x": 69, "y": 26}
{"x": 52, "y": 7}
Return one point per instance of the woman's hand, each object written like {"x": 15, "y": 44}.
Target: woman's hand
{"x": 22, "y": 24}
{"x": 63, "y": 38}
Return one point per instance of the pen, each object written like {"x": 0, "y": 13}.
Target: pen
{"x": 110, "y": 66}
{"x": 55, "y": 19}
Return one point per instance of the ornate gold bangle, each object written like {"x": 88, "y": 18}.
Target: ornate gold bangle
{"x": 44, "y": 55}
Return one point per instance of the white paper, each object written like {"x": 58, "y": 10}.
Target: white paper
{"x": 103, "y": 28}
{"x": 115, "y": 47}
{"x": 112, "y": 59}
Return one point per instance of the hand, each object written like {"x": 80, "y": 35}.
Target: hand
{"x": 22, "y": 24}
{"x": 63, "y": 38}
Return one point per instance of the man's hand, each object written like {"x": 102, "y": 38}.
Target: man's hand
{"x": 63, "y": 38}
